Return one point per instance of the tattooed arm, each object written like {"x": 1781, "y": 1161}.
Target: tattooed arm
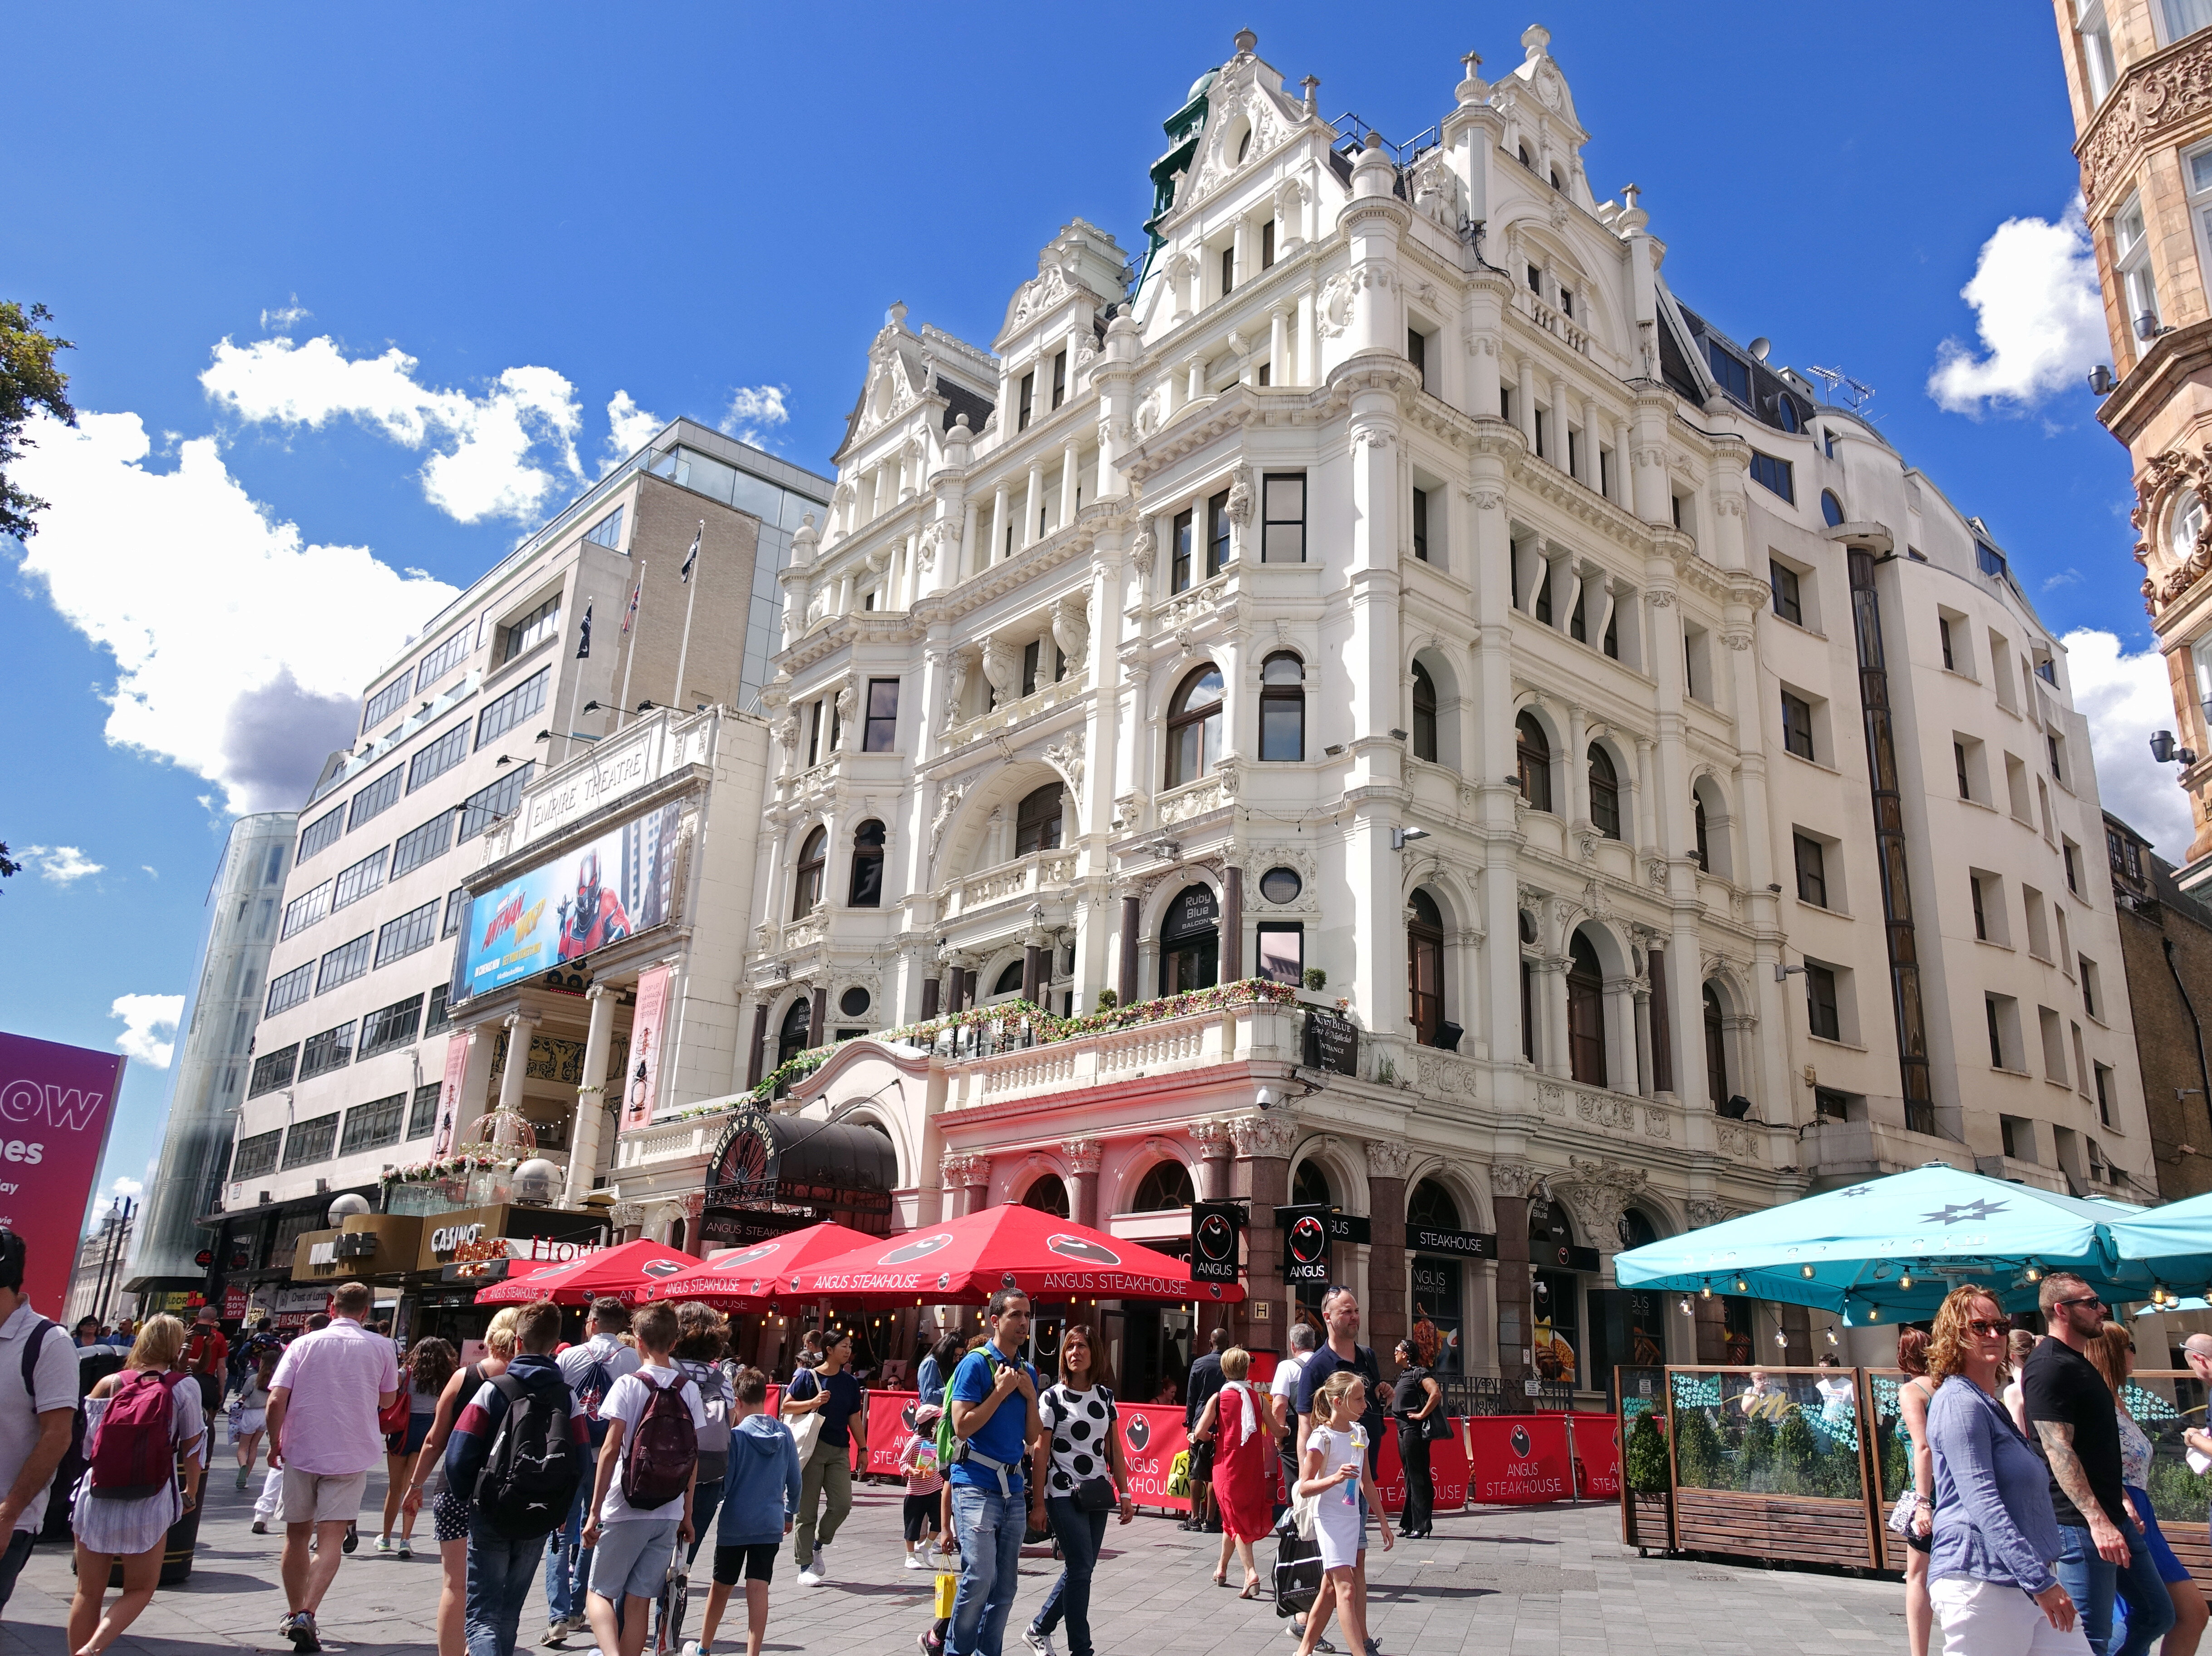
{"x": 2066, "y": 1470}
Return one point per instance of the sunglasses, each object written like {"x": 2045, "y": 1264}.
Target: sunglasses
{"x": 2086, "y": 1299}
{"x": 1986, "y": 1330}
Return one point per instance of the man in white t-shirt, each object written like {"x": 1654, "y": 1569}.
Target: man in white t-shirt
{"x": 36, "y": 1419}
{"x": 1282, "y": 1403}
{"x": 631, "y": 1546}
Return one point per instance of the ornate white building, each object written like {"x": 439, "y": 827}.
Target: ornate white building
{"x": 1381, "y": 575}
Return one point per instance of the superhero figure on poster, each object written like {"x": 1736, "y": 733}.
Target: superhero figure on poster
{"x": 597, "y": 918}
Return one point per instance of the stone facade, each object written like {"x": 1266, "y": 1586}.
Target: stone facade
{"x": 2166, "y": 939}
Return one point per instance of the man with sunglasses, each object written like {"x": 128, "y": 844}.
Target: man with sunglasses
{"x": 2071, "y": 1411}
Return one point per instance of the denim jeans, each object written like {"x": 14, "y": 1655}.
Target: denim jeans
{"x": 706, "y": 1501}
{"x": 2092, "y": 1584}
{"x": 12, "y": 1560}
{"x": 990, "y": 1527}
{"x": 567, "y": 1563}
{"x": 1081, "y": 1535}
{"x": 499, "y": 1581}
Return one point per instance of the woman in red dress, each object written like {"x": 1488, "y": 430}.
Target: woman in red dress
{"x": 1235, "y": 1418}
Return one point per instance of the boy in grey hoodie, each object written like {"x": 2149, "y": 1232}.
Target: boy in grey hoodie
{"x": 760, "y": 1498}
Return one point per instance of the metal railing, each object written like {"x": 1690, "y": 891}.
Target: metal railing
{"x": 1467, "y": 1395}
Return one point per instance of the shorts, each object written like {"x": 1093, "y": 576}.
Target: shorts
{"x": 1202, "y": 1462}
{"x": 245, "y": 1422}
{"x": 920, "y": 1513}
{"x": 407, "y": 1442}
{"x": 632, "y": 1557}
{"x": 756, "y": 1563}
{"x": 2171, "y": 1570}
{"x": 1921, "y": 1543}
{"x": 318, "y": 1498}
{"x": 450, "y": 1513}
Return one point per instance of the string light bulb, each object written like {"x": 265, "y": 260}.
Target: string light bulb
{"x": 1742, "y": 1287}
{"x": 2033, "y": 1273}
{"x": 1832, "y": 1334}
{"x": 1873, "y": 1313}
{"x": 1706, "y": 1292}
{"x": 1688, "y": 1310}
{"x": 1805, "y": 1271}
{"x": 1782, "y": 1339}
{"x": 1906, "y": 1281}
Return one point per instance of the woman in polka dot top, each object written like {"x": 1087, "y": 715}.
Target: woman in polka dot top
{"x": 1077, "y": 1479}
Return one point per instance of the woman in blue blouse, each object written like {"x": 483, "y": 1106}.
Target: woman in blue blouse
{"x": 1995, "y": 1534}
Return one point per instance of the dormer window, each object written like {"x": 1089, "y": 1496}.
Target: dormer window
{"x": 1730, "y": 373}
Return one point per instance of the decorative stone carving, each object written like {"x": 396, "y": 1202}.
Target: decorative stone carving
{"x": 1702, "y": 1211}
{"x": 1212, "y": 1138}
{"x": 848, "y": 729}
{"x": 1511, "y": 1179}
{"x": 1489, "y": 500}
{"x": 1239, "y": 496}
{"x": 1066, "y": 756}
{"x": 2146, "y": 103}
{"x": 1551, "y": 1097}
{"x": 956, "y": 691}
{"x": 2165, "y": 476}
{"x": 1082, "y": 1154}
{"x": 1268, "y": 1135}
{"x": 1388, "y": 1159}
{"x": 1003, "y": 667}
{"x": 1071, "y": 629}
{"x": 948, "y": 802}
{"x": 1333, "y": 312}
{"x": 1659, "y": 598}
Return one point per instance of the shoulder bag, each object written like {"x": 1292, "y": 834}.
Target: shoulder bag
{"x": 805, "y": 1430}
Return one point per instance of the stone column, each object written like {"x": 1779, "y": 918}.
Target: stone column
{"x": 930, "y": 991}
{"x": 1033, "y": 972}
{"x": 520, "y": 1027}
{"x": 952, "y": 1174}
{"x": 999, "y": 547}
{"x": 1213, "y": 1143}
{"x": 1263, "y": 1144}
{"x": 1560, "y": 445}
{"x": 1388, "y": 1162}
{"x": 819, "y": 1015}
{"x": 1509, "y": 1185}
{"x": 591, "y": 1094}
{"x": 1083, "y": 1156}
{"x": 756, "y": 1057}
{"x": 1588, "y": 472}
{"x": 976, "y": 1177}
{"x": 1069, "y": 472}
{"x": 1132, "y": 920}
{"x": 1232, "y": 924}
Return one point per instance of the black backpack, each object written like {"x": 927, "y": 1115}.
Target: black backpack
{"x": 529, "y": 1479}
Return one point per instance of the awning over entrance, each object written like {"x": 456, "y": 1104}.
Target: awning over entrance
{"x": 776, "y": 1173}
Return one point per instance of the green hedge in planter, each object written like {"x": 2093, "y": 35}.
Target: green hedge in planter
{"x": 1648, "y": 1471}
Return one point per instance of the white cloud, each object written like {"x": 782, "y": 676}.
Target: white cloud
{"x": 2125, "y": 697}
{"x": 150, "y": 1026}
{"x": 490, "y": 468}
{"x": 123, "y": 1188}
{"x": 150, "y": 870}
{"x": 285, "y": 315}
{"x": 2038, "y": 312}
{"x": 755, "y": 411}
{"x": 628, "y": 427}
{"x": 63, "y": 865}
{"x": 2066, "y": 577}
{"x": 242, "y": 651}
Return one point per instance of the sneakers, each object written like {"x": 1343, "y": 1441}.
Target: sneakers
{"x": 916, "y": 1562}
{"x": 1040, "y": 1642}
{"x": 384, "y": 1544}
{"x": 300, "y": 1628}
{"x": 260, "y": 1528}
{"x": 817, "y": 1572}
{"x": 929, "y": 1646}
{"x": 405, "y": 1548}
{"x": 242, "y": 1471}
{"x": 1297, "y": 1630}
{"x": 351, "y": 1543}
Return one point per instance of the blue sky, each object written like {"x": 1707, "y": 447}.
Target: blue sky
{"x": 705, "y": 210}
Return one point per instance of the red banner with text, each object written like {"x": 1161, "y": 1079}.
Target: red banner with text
{"x": 1151, "y": 1437}
{"x": 1447, "y": 1470}
{"x": 643, "y": 1080}
{"x": 1517, "y": 1459}
{"x": 56, "y": 1105}
{"x": 1597, "y": 1456}
{"x": 450, "y": 1090}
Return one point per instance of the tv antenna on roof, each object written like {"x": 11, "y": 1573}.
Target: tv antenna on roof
{"x": 1854, "y": 394}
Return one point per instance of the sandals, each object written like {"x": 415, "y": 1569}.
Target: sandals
{"x": 1251, "y": 1589}
{"x": 1221, "y": 1579}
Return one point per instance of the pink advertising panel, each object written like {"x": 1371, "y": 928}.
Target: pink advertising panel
{"x": 56, "y": 1105}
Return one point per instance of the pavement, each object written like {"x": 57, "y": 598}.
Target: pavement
{"x": 1504, "y": 1581}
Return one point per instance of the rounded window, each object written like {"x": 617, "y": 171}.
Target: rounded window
{"x": 1167, "y": 1185}
{"x": 1281, "y": 885}
{"x": 2186, "y": 524}
{"x": 1048, "y": 1195}
{"x": 1832, "y": 509}
{"x": 1194, "y": 727}
{"x": 1309, "y": 1186}
{"x": 1785, "y": 415}
{"x": 854, "y": 1002}
{"x": 1009, "y": 980}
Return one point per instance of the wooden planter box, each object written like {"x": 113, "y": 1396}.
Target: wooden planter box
{"x": 1647, "y": 1521}
{"x": 1799, "y": 1529}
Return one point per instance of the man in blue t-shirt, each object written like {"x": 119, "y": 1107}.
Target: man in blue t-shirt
{"x": 988, "y": 1511}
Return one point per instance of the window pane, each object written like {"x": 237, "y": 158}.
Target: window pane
{"x": 441, "y": 660}
{"x": 439, "y": 757}
{"x": 270, "y": 1071}
{"x": 358, "y": 881}
{"x": 433, "y": 839}
{"x": 386, "y": 702}
{"x": 422, "y": 1112}
{"x": 607, "y": 532}
{"x": 343, "y": 963}
{"x": 415, "y": 930}
{"x": 302, "y": 912}
{"x": 310, "y": 1142}
{"x": 1282, "y": 954}
{"x": 522, "y": 702}
{"x": 321, "y": 832}
{"x": 288, "y": 990}
{"x": 378, "y": 796}
{"x": 1282, "y": 727}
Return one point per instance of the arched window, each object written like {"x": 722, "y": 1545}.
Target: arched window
{"x": 1832, "y": 509}
{"x": 1716, "y": 1076}
{"x": 1637, "y": 1231}
{"x": 1283, "y": 707}
{"x": 868, "y": 865}
{"x": 1585, "y": 1013}
{"x": 1309, "y": 1186}
{"x": 1036, "y": 820}
{"x": 1431, "y": 1207}
{"x": 1190, "y": 942}
{"x": 1194, "y": 727}
{"x": 1703, "y": 856}
{"x": 1424, "y": 714}
{"x": 807, "y": 883}
{"x": 1047, "y": 1195}
{"x": 791, "y": 1037}
{"x": 1009, "y": 980}
{"x": 1425, "y": 969}
{"x": 1166, "y": 1185}
{"x": 2185, "y": 523}
{"x": 1605, "y": 794}
{"x": 1532, "y": 750}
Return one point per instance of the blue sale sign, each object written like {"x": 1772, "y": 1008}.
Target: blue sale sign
{"x": 595, "y": 894}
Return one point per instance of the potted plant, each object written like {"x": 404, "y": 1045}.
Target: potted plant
{"x": 1648, "y": 1483}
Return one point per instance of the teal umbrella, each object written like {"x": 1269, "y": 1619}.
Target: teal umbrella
{"x": 1888, "y": 1249}
{"x": 2172, "y": 1243}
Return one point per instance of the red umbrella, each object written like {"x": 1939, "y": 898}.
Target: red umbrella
{"x": 746, "y": 1279}
{"x": 609, "y": 1270}
{"x": 965, "y": 1261}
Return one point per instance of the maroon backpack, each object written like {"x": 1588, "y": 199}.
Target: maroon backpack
{"x": 133, "y": 1451}
{"x": 663, "y": 1449}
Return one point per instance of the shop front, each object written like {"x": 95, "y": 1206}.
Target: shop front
{"x": 461, "y": 1252}
{"x": 377, "y": 1249}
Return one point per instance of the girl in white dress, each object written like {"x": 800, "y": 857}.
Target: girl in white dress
{"x": 249, "y": 1415}
{"x": 1334, "y": 1475}
{"x": 133, "y": 1528}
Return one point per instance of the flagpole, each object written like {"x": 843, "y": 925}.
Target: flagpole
{"x": 683, "y": 650}
{"x": 630, "y": 655}
{"x": 576, "y": 689}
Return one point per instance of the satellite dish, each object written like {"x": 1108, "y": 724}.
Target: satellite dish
{"x": 1759, "y": 347}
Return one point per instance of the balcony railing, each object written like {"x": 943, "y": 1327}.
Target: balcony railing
{"x": 1038, "y": 872}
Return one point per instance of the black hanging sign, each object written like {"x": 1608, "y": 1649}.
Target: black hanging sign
{"x": 1460, "y": 1244}
{"x": 1562, "y": 1255}
{"x": 1305, "y": 1244}
{"x": 1332, "y": 1042}
{"x": 1213, "y": 1228}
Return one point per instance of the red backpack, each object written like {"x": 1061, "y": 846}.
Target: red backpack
{"x": 663, "y": 1448}
{"x": 133, "y": 1453}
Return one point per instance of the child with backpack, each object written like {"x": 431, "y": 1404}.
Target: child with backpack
{"x": 641, "y": 1502}
{"x": 518, "y": 1450}
{"x": 760, "y": 1498}
{"x": 924, "y": 1483}
{"x": 141, "y": 1445}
